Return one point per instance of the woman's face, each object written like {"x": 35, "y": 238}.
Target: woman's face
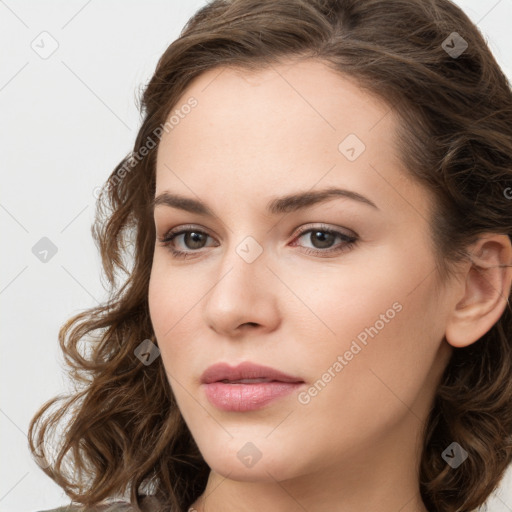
{"x": 353, "y": 315}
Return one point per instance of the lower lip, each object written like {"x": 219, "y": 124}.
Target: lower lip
{"x": 247, "y": 397}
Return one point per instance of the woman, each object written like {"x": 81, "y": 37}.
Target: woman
{"x": 317, "y": 316}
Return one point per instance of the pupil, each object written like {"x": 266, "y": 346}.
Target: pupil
{"x": 194, "y": 238}
{"x": 325, "y": 238}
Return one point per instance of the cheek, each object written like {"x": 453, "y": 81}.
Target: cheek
{"x": 377, "y": 370}
{"x": 164, "y": 306}
{"x": 173, "y": 297}
{"x": 171, "y": 292}
{"x": 385, "y": 315}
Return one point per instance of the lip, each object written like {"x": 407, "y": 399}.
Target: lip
{"x": 227, "y": 395}
{"x": 245, "y": 370}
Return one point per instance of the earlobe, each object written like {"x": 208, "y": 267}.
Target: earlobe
{"x": 485, "y": 292}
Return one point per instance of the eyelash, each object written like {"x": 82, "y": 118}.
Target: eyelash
{"x": 349, "y": 241}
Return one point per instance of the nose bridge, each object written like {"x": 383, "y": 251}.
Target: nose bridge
{"x": 241, "y": 271}
{"x": 241, "y": 293}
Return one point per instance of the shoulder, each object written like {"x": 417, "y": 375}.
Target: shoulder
{"x": 112, "y": 507}
{"x": 148, "y": 505}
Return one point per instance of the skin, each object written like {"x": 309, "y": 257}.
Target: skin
{"x": 355, "y": 446}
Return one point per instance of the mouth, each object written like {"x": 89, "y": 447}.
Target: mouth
{"x": 246, "y": 387}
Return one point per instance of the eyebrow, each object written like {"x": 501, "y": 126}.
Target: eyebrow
{"x": 276, "y": 206}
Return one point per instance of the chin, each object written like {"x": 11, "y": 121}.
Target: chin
{"x": 244, "y": 460}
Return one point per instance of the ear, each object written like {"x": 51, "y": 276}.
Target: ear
{"x": 484, "y": 292}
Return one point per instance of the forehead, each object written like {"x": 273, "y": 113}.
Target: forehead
{"x": 306, "y": 94}
{"x": 287, "y": 125}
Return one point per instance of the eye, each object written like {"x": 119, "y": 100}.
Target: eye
{"x": 322, "y": 237}
{"x": 193, "y": 239}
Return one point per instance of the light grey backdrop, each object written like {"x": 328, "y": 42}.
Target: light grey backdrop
{"x": 69, "y": 76}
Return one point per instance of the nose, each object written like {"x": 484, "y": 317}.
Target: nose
{"x": 243, "y": 297}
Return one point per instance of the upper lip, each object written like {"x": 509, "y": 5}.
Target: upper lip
{"x": 246, "y": 370}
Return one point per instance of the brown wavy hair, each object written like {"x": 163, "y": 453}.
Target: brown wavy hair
{"x": 124, "y": 434}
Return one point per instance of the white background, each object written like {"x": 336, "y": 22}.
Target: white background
{"x": 66, "y": 121}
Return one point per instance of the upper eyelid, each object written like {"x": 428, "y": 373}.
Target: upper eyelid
{"x": 179, "y": 230}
